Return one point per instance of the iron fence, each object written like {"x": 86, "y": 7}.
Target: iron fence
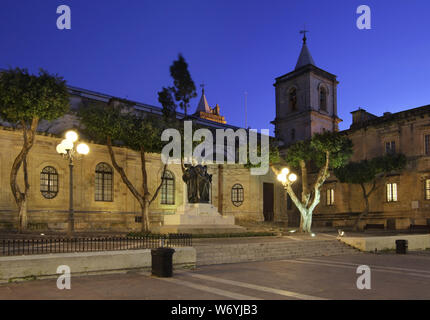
{"x": 14, "y": 247}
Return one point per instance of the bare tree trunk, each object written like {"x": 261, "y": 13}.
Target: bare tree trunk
{"x": 125, "y": 179}
{"x": 143, "y": 199}
{"x": 145, "y": 216}
{"x": 366, "y": 210}
{"x": 22, "y": 215}
{"x": 309, "y": 199}
{"x": 305, "y": 193}
{"x": 21, "y": 198}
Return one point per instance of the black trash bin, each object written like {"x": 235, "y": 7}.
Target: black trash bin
{"x": 402, "y": 246}
{"x": 162, "y": 265}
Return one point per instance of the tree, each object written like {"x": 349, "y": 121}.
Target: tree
{"x": 183, "y": 89}
{"x": 25, "y": 99}
{"x": 324, "y": 151}
{"x": 118, "y": 123}
{"x": 370, "y": 172}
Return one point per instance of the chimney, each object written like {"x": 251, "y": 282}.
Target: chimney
{"x": 360, "y": 116}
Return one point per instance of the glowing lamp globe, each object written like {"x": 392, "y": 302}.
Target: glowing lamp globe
{"x": 282, "y": 178}
{"x": 292, "y": 177}
{"x": 285, "y": 171}
{"x": 61, "y": 149}
{"x": 67, "y": 144}
{"x": 82, "y": 148}
{"x": 72, "y": 136}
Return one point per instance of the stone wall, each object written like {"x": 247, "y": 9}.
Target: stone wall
{"x": 37, "y": 266}
{"x": 411, "y": 207}
{"x": 119, "y": 214}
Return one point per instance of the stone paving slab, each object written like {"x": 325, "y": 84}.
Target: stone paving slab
{"x": 392, "y": 277}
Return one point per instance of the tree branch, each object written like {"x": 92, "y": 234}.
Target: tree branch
{"x": 305, "y": 193}
{"x": 322, "y": 177}
{"x": 160, "y": 185}
{"x": 122, "y": 173}
{"x": 144, "y": 173}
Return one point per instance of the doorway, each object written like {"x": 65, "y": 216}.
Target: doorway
{"x": 268, "y": 201}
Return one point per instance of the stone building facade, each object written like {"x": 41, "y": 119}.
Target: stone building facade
{"x": 402, "y": 199}
{"x": 102, "y": 202}
{"x": 305, "y": 101}
{"x": 306, "y": 104}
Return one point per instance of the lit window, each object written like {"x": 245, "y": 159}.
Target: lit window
{"x": 391, "y": 192}
{"x": 237, "y": 195}
{"x": 49, "y": 182}
{"x": 330, "y": 197}
{"x": 390, "y": 147}
{"x": 427, "y": 191}
{"x": 104, "y": 182}
{"x": 168, "y": 188}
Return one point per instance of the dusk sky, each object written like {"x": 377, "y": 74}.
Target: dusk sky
{"x": 125, "y": 48}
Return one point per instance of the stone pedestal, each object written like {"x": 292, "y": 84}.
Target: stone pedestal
{"x": 199, "y": 218}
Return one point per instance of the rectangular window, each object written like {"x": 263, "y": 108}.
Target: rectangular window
{"x": 427, "y": 190}
{"x": 391, "y": 192}
{"x": 104, "y": 182}
{"x": 168, "y": 191}
{"x": 330, "y": 197}
{"x": 427, "y": 144}
{"x": 390, "y": 147}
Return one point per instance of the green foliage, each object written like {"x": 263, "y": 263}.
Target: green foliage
{"x": 165, "y": 97}
{"x": 24, "y": 96}
{"x": 274, "y": 156}
{"x": 338, "y": 145}
{"x": 100, "y": 121}
{"x": 367, "y": 170}
{"x": 124, "y": 126}
{"x": 183, "y": 89}
{"x": 299, "y": 151}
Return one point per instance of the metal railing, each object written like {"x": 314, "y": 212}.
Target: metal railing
{"x": 14, "y": 247}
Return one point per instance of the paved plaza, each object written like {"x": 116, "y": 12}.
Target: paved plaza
{"x": 392, "y": 277}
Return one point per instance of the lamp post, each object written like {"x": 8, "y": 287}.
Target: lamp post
{"x": 67, "y": 149}
{"x": 286, "y": 177}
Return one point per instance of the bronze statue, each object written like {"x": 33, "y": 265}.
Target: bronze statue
{"x": 198, "y": 183}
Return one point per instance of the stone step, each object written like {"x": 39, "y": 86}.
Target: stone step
{"x": 234, "y": 253}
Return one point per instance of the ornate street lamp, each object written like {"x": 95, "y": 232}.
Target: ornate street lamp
{"x": 67, "y": 149}
{"x": 286, "y": 178}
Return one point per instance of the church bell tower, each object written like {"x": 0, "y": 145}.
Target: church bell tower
{"x": 306, "y": 100}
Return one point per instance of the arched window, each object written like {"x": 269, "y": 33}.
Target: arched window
{"x": 323, "y": 99}
{"x": 237, "y": 195}
{"x": 168, "y": 188}
{"x": 292, "y": 98}
{"x": 104, "y": 182}
{"x": 49, "y": 182}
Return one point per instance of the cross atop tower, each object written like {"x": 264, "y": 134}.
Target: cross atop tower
{"x": 203, "y": 88}
{"x": 304, "y": 33}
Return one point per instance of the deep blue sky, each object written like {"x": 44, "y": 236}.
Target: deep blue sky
{"x": 125, "y": 48}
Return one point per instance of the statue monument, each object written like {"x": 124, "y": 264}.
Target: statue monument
{"x": 198, "y": 182}
{"x": 197, "y": 214}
